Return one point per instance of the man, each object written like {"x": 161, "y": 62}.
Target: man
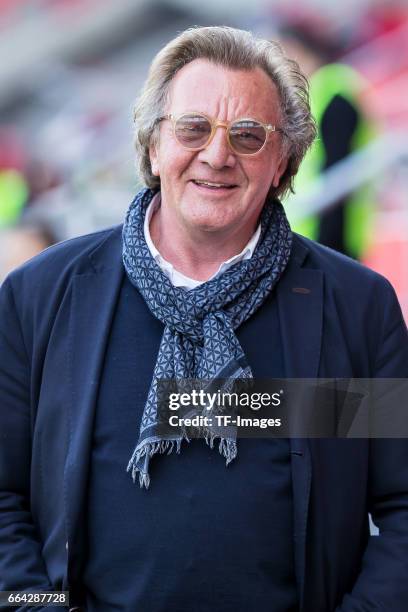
{"x": 204, "y": 280}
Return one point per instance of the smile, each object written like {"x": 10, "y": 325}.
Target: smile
{"x": 211, "y": 185}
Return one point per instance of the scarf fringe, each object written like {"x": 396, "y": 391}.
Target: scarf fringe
{"x": 227, "y": 448}
{"x": 147, "y": 451}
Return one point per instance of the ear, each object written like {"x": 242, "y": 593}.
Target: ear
{"x": 279, "y": 171}
{"x": 154, "y": 159}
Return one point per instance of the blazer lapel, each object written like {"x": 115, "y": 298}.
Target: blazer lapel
{"x": 300, "y": 303}
{"x": 94, "y": 298}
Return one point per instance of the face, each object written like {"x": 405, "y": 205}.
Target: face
{"x": 238, "y": 185}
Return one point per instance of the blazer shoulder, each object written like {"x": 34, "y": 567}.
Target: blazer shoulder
{"x": 39, "y": 291}
{"x": 341, "y": 272}
{"x": 363, "y": 309}
{"x": 58, "y": 263}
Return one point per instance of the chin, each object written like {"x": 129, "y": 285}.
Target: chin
{"x": 210, "y": 223}
{"x": 211, "y": 217}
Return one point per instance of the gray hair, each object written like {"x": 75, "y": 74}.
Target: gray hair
{"x": 234, "y": 49}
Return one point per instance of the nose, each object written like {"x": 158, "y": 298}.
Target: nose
{"x": 217, "y": 153}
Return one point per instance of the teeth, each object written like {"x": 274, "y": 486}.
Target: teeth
{"x": 211, "y": 184}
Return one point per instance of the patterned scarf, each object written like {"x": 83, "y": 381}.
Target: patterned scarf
{"x": 199, "y": 340}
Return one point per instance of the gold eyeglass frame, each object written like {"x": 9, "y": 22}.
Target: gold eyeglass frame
{"x": 268, "y": 127}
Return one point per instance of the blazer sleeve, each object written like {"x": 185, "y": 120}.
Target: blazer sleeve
{"x": 21, "y": 565}
{"x": 382, "y": 584}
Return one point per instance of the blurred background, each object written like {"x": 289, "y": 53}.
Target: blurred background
{"x": 72, "y": 69}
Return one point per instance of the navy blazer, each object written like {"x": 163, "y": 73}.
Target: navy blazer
{"x": 338, "y": 319}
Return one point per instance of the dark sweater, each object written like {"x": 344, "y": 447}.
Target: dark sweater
{"x": 204, "y": 537}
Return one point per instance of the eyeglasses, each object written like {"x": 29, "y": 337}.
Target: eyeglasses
{"x": 195, "y": 131}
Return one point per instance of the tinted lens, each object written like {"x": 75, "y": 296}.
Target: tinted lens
{"x": 247, "y": 136}
{"x": 193, "y": 131}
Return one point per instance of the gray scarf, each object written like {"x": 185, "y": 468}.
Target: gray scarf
{"x": 199, "y": 340}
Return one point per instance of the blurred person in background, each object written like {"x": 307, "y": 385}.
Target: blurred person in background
{"x": 343, "y": 127}
{"x": 204, "y": 280}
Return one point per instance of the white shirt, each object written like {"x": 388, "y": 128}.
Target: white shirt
{"x": 177, "y": 278}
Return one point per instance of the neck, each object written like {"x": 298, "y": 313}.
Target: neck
{"x": 197, "y": 255}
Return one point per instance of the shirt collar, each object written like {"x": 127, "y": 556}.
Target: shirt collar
{"x": 177, "y": 278}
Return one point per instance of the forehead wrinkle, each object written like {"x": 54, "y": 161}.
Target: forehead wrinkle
{"x": 239, "y": 107}
{"x": 225, "y": 100}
